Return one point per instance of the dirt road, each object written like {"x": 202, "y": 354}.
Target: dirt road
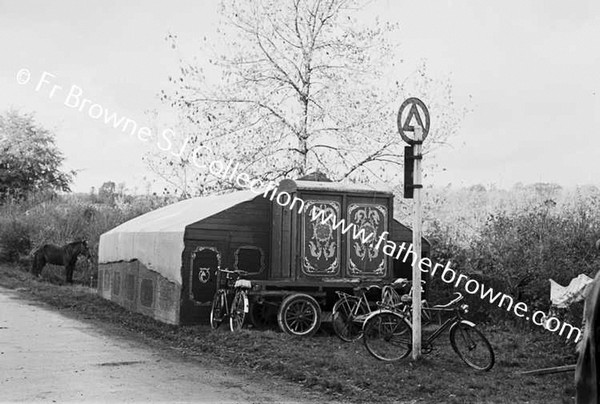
{"x": 47, "y": 357}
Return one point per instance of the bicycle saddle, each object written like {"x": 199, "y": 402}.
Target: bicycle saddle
{"x": 243, "y": 283}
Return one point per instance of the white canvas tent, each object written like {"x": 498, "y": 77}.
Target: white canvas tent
{"x": 156, "y": 239}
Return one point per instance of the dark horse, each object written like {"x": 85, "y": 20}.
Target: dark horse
{"x": 65, "y": 256}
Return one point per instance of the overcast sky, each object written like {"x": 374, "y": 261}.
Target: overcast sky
{"x": 528, "y": 70}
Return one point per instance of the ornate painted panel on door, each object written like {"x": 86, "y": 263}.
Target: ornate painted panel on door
{"x": 369, "y": 221}
{"x": 320, "y": 242}
{"x": 204, "y": 263}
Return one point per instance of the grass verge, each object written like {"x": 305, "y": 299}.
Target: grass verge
{"x": 342, "y": 371}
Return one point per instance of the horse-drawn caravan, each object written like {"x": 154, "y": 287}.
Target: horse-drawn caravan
{"x": 166, "y": 263}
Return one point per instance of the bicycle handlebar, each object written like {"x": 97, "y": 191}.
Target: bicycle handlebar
{"x": 458, "y": 298}
{"x": 363, "y": 284}
{"x": 235, "y": 271}
{"x": 404, "y": 282}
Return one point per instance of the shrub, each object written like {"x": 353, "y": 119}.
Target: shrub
{"x": 15, "y": 242}
{"x": 517, "y": 250}
{"x": 49, "y": 219}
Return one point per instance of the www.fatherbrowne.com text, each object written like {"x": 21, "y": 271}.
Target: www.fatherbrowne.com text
{"x": 74, "y": 99}
{"x": 426, "y": 265}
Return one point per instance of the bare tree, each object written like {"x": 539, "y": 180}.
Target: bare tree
{"x": 302, "y": 87}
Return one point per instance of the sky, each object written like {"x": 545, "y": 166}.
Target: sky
{"x": 527, "y": 70}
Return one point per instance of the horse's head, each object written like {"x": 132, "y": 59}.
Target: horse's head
{"x": 84, "y": 249}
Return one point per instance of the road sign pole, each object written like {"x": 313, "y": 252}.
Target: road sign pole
{"x": 417, "y": 230}
{"x": 417, "y": 111}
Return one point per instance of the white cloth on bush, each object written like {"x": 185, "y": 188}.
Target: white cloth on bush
{"x": 563, "y": 296}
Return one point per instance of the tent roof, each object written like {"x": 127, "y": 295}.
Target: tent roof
{"x": 176, "y": 217}
{"x": 156, "y": 238}
{"x": 301, "y": 185}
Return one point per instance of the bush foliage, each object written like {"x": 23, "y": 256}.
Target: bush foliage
{"x": 46, "y": 218}
{"x": 515, "y": 242}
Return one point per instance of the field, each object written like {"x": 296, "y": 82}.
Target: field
{"x": 337, "y": 370}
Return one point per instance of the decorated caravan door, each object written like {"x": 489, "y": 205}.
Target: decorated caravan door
{"x": 369, "y": 220}
{"x": 320, "y": 248}
{"x": 203, "y": 274}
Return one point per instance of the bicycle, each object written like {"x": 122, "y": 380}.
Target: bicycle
{"x": 387, "y": 335}
{"x": 349, "y": 312}
{"x": 391, "y": 298}
{"x": 235, "y": 290}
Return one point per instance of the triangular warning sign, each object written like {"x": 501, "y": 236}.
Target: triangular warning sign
{"x": 414, "y": 112}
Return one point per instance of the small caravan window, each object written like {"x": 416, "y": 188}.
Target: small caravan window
{"x": 249, "y": 258}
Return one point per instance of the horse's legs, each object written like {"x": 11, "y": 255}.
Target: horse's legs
{"x": 33, "y": 264}
{"x": 38, "y": 264}
{"x": 69, "y": 272}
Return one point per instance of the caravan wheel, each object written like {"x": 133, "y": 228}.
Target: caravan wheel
{"x": 299, "y": 315}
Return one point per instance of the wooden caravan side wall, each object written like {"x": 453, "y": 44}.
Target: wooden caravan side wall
{"x": 247, "y": 225}
{"x": 402, "y": 234}
{"x": 282, "y": 252}
{"x": 339, "y": 201}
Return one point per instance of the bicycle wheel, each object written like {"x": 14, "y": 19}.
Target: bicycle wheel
{"x": 239, "y": 308}
{"x": 388, "y": 336}
{"x": 348, "y": 316}
{"x": 218, "y": 311}
{"x": 471, "y": 346}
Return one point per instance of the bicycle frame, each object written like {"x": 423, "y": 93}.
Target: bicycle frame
{"x": 228, "y": 289}
{"x": 449, "y": 323}
{"x": 403, "y": 302}
{"x": 362, "y": 298}
{"x": 387, "y": 337}
{"x": 404, "y": 309}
